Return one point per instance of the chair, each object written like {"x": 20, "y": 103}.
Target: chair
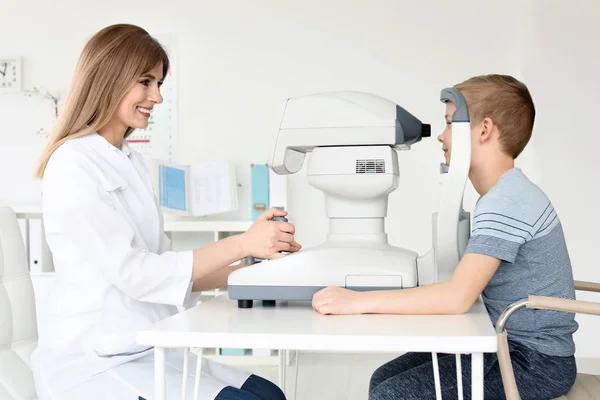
{"x": 18, "y": 326}
{"x": 586, "y": 387}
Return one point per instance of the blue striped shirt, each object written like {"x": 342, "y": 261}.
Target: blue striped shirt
{"x": 516, "y": 223}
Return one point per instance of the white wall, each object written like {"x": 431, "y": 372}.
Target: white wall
{"x": 562, "y": 72}
{"x": 238, "y": 59}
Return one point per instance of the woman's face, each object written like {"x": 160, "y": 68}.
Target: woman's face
{"x": 136, "y": 106}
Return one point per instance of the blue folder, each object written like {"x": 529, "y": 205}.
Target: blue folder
{"x": 172, "y": 188}
{"x": 260, "y": 189}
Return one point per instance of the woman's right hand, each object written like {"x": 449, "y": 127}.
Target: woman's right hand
{"x": 266, "y": 238}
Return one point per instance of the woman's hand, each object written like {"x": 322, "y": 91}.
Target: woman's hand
{"x": 266, "y": 238}
{"x": 337, "y": 300}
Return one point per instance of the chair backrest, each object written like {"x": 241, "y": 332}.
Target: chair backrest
{"x": 18, "y": 326}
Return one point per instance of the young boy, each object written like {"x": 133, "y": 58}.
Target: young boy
{"x": 516, "y": 249}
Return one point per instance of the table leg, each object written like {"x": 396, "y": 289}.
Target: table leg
{"x": 296, "y": 366}
{"x": 198, "y": 373}
{"x": 459, "y": 377}
{"x": 160, "y": 373}
{"x": 477, "y": 376}
{"x": 186, "y": 361}
{"x": 282, "y": 368}
{"x": 436, "y": 376}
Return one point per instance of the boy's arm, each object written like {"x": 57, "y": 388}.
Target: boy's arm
{"x": 501, "y": 225}
{"x": 455, "y": 296}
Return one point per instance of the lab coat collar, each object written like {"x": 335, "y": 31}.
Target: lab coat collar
{"x": 120, "y": 163}
{"x": 117, "y": 161}
{"x": 111, "y": 176}
{"x": 121, "y": 169}
{"x": 125, "y": 148}
{"x": 100, "y": 143}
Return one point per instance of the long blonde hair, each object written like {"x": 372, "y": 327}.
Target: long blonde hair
{"x": 111, "y": 62}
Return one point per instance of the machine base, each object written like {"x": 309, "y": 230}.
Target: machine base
{"x": 298, "y": 276}
{"x": 250, "y": 303}
{"x": 245, "y": 303}
{"x": 269, "y": 294}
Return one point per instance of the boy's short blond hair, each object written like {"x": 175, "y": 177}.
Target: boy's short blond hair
{"x": 507, "y": 102}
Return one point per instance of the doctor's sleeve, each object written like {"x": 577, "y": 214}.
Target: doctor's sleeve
{"x": 191, "y": 298}
{"x": 82, "y": 225}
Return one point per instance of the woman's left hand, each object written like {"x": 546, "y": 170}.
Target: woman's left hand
{"x": 337, "y": 300}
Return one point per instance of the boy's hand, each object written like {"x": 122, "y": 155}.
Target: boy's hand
{"x": 337, "y": 300}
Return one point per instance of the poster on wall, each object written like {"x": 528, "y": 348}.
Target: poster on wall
{"x": 158, "y": 140}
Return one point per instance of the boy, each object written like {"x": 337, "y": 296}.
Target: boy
{"x": 516, "y": 249}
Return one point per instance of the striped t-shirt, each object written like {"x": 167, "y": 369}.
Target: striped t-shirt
{"x": 516, "y": 223}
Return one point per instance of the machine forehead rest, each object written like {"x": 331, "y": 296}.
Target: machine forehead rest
{"x": 454, "y": 96}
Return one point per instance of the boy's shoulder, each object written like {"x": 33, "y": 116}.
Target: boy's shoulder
{"x": 515, "y": 209}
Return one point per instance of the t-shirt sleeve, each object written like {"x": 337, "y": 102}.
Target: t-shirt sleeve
{"x": 499, "y": 228}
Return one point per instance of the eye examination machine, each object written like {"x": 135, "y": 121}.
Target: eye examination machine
{"x": 354, "y": 139}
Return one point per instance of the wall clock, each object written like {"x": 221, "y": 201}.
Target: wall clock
{"x": 10, "y": 74}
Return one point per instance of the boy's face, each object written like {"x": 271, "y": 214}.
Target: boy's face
{"x": 445, "y": 138}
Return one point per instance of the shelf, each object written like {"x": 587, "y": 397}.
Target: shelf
{"x": 245, "y": 360}
{"x": 26, "y": 209}
{"x": 195, "y": 225}
{"x": 248, "y": 359}
{"x": 172, "y": 224}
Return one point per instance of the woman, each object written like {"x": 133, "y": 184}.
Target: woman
{"x": 114, "y": 271}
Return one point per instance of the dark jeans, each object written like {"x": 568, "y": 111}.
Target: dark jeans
{"x": 255, "y": 388}
{"x": 410, "y": 376}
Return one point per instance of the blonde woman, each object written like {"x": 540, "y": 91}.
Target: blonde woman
{"x": 114, "y": 271}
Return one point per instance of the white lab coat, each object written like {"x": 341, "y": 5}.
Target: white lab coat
{"x": 114, "y": 275}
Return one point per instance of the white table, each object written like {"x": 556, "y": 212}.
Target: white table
{"x": 296, "y": 326}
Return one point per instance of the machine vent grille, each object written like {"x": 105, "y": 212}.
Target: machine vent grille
{"x": 373, "y": 166}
